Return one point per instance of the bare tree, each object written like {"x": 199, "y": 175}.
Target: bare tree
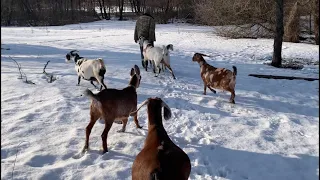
{"x": 120, "y": 5}
{"x": 278, "y": 38}
{"x": 315, "y": 12}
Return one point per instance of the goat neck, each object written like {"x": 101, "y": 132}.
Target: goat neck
{"x": 77, "y": 57}
{"x": 202, "y": 61}
{"x": 155, "y": 121}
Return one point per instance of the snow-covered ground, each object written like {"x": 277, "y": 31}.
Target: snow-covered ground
{"x": 271, "y": 133}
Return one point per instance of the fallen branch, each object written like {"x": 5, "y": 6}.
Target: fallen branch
{"x": 282, "y": 77}
{"x": 19, "y": 67}
{"x": 50, "y": 76}
{"x": 22, "y": 74}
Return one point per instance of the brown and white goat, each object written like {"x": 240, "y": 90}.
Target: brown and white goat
{"x": 218, "y": 78}
{"x": 111, "y": 104}
{"x": 160, "y": 158}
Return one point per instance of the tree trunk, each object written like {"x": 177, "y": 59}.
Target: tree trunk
{"x": 100, "y": 7}
{"x": 104, "y": 10}
{"x": 277, "y": 45}
{"x": 315, "y": 13}
{"x": 121, "y": 3}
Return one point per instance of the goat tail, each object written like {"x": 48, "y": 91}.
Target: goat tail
{"x": 136, "y": 111}
{"x": 91, "y": 95}
{"x": 235, "y": 71}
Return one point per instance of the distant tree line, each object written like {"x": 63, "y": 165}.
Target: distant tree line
{"x": 248, "y": 18}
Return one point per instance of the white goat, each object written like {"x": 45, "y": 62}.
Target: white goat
{"x": 88, "y": 69}
{"x": 158, "y": 55}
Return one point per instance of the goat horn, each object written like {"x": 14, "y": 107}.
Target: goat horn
{"x": 203, "y": 54}
{"x": 143, "y": 103}
{"x": 71, "y": 52}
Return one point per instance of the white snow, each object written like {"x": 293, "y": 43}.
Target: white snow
{"x": 271, "y": 132}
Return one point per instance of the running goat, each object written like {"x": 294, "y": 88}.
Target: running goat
{"x": 88, "y": 69}
{"x": 219, "y": 78}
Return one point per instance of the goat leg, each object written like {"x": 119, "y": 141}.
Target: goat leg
{"x": 169, "y": 67}
{"x": 136, "y": 121}
{"x": 104, "y": 135}
{"x": 171, "y": 72}
{"x": 88, "y": 131}
{"x": 146, "y": 64}
{"x": 103, "y": 85}
{"x": 233, "y": 95}
{"x": 214, "y": 91}
{"x": 93, "y": 84}
{"x": 124, "y": 124}
{"x": 79, "y": 78}
{"x": 205, "y": 89}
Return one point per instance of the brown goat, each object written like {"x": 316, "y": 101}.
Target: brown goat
{"x": 219, "y": 78}
{"x": 111, "y": 104}
{"x": 160, "y": 158}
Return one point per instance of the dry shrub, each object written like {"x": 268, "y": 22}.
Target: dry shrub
{"x": 240, "y": 18}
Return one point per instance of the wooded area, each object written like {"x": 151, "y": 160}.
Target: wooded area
{"x": 288, "y": 20}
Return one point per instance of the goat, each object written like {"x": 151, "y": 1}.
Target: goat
{"x": 111, "y": 104}
{"x": 88, "y": 69}
{"x": 160, "y": 158}
{"x": 157, "y": 55}
{"x": 145, "y": 62}
{"x": 219, "y": 78}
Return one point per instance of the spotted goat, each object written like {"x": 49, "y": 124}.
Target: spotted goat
{"x": 218, "y": 78}
{"x": 88, "y": 69}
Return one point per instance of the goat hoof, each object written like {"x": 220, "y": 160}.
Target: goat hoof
{"x": 104, "y": 151}
{"x": 140, "y": 127}
{"x": 232, "y": 102}
{"x": 204, "y": 93}
{"x": 85, "y": 149}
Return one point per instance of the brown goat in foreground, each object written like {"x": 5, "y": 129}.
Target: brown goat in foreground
{"x": 160, "y": 158}
{"x": 219, "y": 78}
{"x": 111, "y": 104}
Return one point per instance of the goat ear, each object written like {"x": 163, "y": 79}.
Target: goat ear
{"x": 166, "y": 111}
{"x": 137, "y": 70}
{"x": 132, "y": 72}
{"x": 170, "y": 46}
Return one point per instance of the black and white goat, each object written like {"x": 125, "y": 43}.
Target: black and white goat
{"x": 158, "y": 55}
{"x": 88, "y": 69}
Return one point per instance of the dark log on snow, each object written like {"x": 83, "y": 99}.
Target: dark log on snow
{"x": 282, "y": 77}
